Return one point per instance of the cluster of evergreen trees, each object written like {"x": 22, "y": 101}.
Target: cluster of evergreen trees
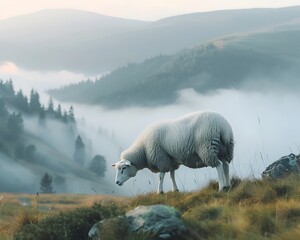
{"x": 156, "y": 81}
{"x": 11, "y": 124}
{"x": 97, "y": 165}
{"x": 14, "y": 140}
{"x": 32, "y": 105}
{"x": 98, "y": 162}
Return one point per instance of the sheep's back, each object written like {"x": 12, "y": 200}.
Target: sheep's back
{"x": 186, "y": 134}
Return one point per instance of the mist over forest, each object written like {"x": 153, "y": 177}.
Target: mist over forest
{"x": 253, "y": 62}
{"x": 249, "y": 74}
{"x": 38, "y": 139}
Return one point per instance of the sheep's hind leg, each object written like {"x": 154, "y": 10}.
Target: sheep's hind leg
{"x": 221, "y": 176}
{"x": 160, "y": 182}
{"x": 174, "y": 186}
{"x": 226, "y": 173}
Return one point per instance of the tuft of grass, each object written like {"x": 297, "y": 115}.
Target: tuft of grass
{"x": 262, "y": 219}
{"x": 288, "y": 213}
{"x": 26, "y": 216}
{"x": 205, "y": 213}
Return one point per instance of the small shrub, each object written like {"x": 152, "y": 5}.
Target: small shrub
{"x": 282, "y": 190}
{"x": 235, "y": 182}
{"x": 243, "y": 192}
{"x": 212, "y": 185}
{"x": 71, "y": 225}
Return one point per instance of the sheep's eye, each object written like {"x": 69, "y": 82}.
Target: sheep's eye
{"x": 122, "y": 169}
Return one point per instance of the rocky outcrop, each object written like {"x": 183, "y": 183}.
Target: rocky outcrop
{"x": 283, "y": 167}
{"x": 161, "y": 221}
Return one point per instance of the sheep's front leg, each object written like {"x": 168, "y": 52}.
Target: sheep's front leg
{"x": 221, "y": 176}
{"x": 160, "y": 182}
{"x": 172, "y": 176}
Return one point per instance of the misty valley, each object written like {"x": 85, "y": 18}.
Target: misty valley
{"x": 246, "y": 70}
{"x": 80, "y": 92}
{"x": 72, "y": 119}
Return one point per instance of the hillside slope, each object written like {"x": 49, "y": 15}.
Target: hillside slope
{"x": 35, "y": 140}
{"x": 254, "y": 61}
{"x": 92, "y": 43}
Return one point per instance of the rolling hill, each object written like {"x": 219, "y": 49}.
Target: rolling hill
{"x": 258, "y": 61}
{"x": 91, "y": 43}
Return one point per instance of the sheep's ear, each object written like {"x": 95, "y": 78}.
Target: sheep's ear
{"x": 128, "y": 163}
{"x": 113, "y": 165}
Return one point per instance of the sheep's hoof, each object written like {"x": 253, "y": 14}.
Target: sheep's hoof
{"x": 161, "y": 192}
{"x": 226, "y": 189}
{"x": 176, "y": 190}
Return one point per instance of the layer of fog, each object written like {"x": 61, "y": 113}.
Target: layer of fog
{"x": 265, "y": 127}
{"x": 52, "y": 141}
{"x": 54, "y": 148}
{"x": 39, "y": 80}
{"x": 23, "y": 179}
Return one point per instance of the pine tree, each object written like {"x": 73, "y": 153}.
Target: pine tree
{"x": 46, "y": 184}
{"x": 3, "y": 109}
{"x": 30, "y": 153}
{"x": 21, "y": 101}
{"x": 50, "y": 109}
{"x": 71, "y": 117}
{"x": 34, "y": 102}
{"x": 15, "y": 125}
{"x": 79, "y": 153}
{"x": 98, "y": 165}
{"x": 42, "y": 117}
{"x": 58, "y": 112}
{"x": 9, "y": 88}
{"x": 65, "y": 117}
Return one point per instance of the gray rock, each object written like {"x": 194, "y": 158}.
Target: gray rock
{"x": 95, "y": 231}
{"x": 161, "y": 221}
{"x": 283, "y": 167}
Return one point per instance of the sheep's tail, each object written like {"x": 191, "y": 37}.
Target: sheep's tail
{"x": 230, "y": 150}
{"x": 227, "y": 141}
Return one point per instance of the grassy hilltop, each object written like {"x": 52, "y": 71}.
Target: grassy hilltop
{"x": 251, "y": 209}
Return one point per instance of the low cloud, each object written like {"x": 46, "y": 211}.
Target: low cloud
{"x": 40, "y": 81}
{"x": 265, "y": 128}
{"x": 265, "y": 125}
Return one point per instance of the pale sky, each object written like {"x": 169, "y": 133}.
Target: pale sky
{"x": 136, "y": 9}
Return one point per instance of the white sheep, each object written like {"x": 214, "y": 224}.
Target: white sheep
{"x": 196, "y": 140}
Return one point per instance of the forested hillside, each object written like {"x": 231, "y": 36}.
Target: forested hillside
{"x": 35, "y": 140}
{"x": 253, "y": 61}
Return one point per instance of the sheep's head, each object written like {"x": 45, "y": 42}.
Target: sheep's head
{"x": 125, "y": 170}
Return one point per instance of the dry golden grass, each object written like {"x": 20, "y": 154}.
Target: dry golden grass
{"x": 251, "y": 209}
{"x": 13, "y": 215}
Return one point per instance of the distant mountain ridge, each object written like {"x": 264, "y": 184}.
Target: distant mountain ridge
{"x": 91, "y": 43}
{"x": 258, "y": 61}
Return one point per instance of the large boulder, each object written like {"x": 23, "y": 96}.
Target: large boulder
{"x": 161, "y": 221}
{"x": 283, "y": 167}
